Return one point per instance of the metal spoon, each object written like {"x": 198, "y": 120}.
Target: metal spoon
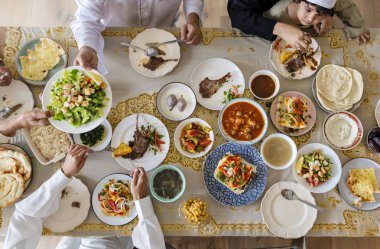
{"x": 157, "y": 44}
{"x": 291, "y": 195}
{"x": 149, "y": 51}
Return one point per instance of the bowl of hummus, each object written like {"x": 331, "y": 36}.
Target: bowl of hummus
{"x": 343, "y": 130}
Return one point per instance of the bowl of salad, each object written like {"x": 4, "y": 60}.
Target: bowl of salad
{"x": 80, "y": 99}
{"x": 193, "y": 137}
{"x": 317, "y": 168}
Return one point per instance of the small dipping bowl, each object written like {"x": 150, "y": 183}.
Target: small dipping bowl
{"x": 292, "y": 146}
{"x": 373, "y": 140}
{"x": 265, "y": 73}
{"x": 352, "y": 117}
{"x": 154, "y": 175}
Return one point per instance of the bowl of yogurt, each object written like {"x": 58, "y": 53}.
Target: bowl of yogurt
{"x": 343, "y": 130}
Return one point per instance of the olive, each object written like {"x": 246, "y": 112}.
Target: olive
{"x": 373, "y": 146}
{"x": 171, "y": 101}
{"x": 5, "y": 76}
{"x": 181, "y": 104}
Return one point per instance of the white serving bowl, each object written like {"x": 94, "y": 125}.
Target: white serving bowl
{"x": 103, "y": 143}
{"x": 291, "y": 144}
{"x": 177, "y": 135}
{"x": 273, "y": 77}
{"x": 243, "y": 142}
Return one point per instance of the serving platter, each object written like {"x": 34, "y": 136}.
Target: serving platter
{"x": 222, "y": 194}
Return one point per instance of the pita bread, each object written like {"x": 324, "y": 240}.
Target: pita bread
{"x": 45, "y": 56}
{"x": 11, "y": 188}
{"x": 334, "y": 82}
{"x": 356, "y": 92}
{"x": 24, "y": 166}
{"x": 8, "y": 165}
{"x": 332, "y": 105}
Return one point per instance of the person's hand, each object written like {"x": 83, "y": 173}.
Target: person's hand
{"x": 325, "y": 25}
{"x": 191, "y": 32}
{"x": 75, "y": 159}
{"x": 292, "y": 35}
{"x": 139, "y": 186}
{"x": 362, "y": 39}
{"x": 28, "y": 119}
{"x": 86, "y": 58}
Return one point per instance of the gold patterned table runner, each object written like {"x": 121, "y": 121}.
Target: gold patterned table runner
{"x": 134, "y": 93}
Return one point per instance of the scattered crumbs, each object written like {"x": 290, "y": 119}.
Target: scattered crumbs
{"x": 252, "y": 50}
{"x": 4, "y": 98}
{"x": 229, "y": 49}
{"x": 75, "y": 204}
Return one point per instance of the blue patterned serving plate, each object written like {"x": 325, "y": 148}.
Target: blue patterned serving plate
{"x": 222, "y": 194}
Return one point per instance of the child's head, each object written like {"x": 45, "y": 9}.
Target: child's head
{"x": 311, "y": 12}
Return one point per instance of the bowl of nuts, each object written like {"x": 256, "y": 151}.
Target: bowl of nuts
{"x": 194, "y": 210}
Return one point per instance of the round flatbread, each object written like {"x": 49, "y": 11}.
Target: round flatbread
{"x": 24, "y": 166}
{"x": 357, "y": 88}
{"x": 332, "y": 105}
{"x": 334, "y": 82}
{"x": 11, "y": 188}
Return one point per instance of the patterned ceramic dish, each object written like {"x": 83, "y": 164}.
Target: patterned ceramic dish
{"x": 222, "y": 194}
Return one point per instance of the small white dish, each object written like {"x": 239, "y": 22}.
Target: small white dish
{"x": 273, "y": 77}
{"x": 64, "y": 125}
{"x": 289, "y": 219}
{"x": 291, "y": 144}
{"x": 216, "y": 68}
{"x": 111, "y": 220}
{"x": 348, "y": 197}
{"x": 177, "y": 135}
{"x": 67, "y": 217}
{"x": 336, "y": 170}
{"x": 101, "y": 145}
{"x": 124, "y": 133}
{"x": 179, "y": 90}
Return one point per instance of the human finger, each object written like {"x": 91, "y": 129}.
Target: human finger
{"x": 184, "y": 30}
{"x": 191, "y": 34}
{"x": 135, "y": 177}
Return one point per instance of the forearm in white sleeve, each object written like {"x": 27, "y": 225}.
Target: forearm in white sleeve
{"x": 193, "y": 6}
{"x": 87, "y": 27}
{"x": 148, "y": 233}
{"x": 25, "y": 226}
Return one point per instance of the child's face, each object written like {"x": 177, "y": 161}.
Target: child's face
{"x": 307, "y": 14}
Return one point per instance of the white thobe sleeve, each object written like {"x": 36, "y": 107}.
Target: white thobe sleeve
{"x": 148, "y": 233}
{"x": 25, "y": 226}
{"x": 88, "y": 26}
{"x": 193, "y": 6}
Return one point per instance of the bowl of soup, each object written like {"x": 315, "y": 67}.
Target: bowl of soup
{"x": 167, "y": 183}
{"x": 243, "y": 121}
{"x": 264, "y": 84}
{"x": 278, "y": 151}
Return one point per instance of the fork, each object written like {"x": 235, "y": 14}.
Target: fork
{"x": 157, "y": 44}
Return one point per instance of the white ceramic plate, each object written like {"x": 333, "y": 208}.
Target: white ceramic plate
{"x": 16, "y": 93}
{"x": 284, "y": 218}
{"x": 137, "y": 57}
{"x": 377, "y": 113}
{"x": 64, "y": 125}
{"x": 111, "y": 220}
{"x": 311, "y": 112}
{"x": 216, "y": 68}
{"x": 104, "y": 142}
{"x": 348, "y": 197}
{"x": 303, "y": 73}
{"x": 178, "y": 89}
{"x": 177, "y": 135}
{"x": 124, "y": 133}
{"x": 336, "y": 170}
{"x": 66, "y": 218}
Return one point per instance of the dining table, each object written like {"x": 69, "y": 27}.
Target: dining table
{"x": 135, "y": 93}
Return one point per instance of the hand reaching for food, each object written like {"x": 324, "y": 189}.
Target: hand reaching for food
{"x": 362, "y": 39}
{"x": 139, "y": 185}
{"x": 75, "y": 159}
{"x": 325, "y": 25}
{"x": 292, "y": 35}
{"x": 191, "y": 32}
{"x": 86, "y": 58}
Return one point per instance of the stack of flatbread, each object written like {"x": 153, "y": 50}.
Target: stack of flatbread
{"x": 15, "y": 171}
{"x": 363, "y": 184}
{"x": 339, "y": 88}
{"x": 45, "y": 56}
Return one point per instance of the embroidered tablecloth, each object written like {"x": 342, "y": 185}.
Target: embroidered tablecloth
{"x": 133, "y": 93}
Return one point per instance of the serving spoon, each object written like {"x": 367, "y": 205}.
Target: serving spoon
{"x": 150, "y": 51}
{"x": 291, "y": 195}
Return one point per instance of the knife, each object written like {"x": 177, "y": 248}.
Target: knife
{"x": 6, "y": 112}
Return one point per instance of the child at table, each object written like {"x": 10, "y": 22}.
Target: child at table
{"x": 285, "y": 17}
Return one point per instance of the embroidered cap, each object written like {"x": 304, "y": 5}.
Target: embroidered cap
{"x": 328, "y": 4}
